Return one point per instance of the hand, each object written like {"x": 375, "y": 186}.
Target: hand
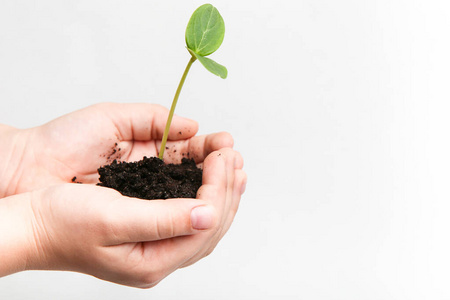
{"x": 134, "y": 242}
{"x": 72, "y": 147}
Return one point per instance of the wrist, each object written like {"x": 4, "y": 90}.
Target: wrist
{"x": 18, "y": 250}
{"x": 12, "y": 150}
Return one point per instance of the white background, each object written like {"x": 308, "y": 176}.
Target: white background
{"x": 340, "y": 109}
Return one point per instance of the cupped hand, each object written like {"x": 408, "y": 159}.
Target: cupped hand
{"x": 72, "y": 147}
{"x": 129, "y": 241}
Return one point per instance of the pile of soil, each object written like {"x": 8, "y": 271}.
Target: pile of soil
{"x": 150, "y": 178}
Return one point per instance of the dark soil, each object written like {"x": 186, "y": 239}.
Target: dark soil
{"x": 150, "y": 178}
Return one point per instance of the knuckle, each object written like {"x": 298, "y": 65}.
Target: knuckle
{"x": 226, "y": 136}
{"x": 159, "y": 106}
{"x": 152, "y": 278}
{"x": 165, "y": 227}
{"x": 209, "y": 252}
{"x": 239, "y": 160}
{"x": 149, "y": 281}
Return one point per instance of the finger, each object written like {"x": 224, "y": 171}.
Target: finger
{"x": 135, "y": 220}
{"x": 238, "y": 189}
{"x": 214, "y": 182}
{"x": 213, "y": 191}
{"x": 240, "y": 183}
{"x": 217, "y": 189}
{"x": 218, "y": 182}
{"x": 143, "y": 122}
{"x": 239, "y": 163}
{"x": 198, "y": 147}
{"x": 230, "y": 164}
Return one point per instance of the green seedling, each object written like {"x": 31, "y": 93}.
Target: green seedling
{"x": 204, "y": 35}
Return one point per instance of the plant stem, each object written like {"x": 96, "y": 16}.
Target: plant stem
{"x": 172, "y": 108}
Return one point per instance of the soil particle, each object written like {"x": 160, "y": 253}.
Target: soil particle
{"x": 74, "y": 180}
{"x": 113, "y": 154}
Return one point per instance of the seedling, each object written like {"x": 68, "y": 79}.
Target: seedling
{"x": 204, "y": 35}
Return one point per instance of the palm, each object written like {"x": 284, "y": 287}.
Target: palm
{"x": 76, "y": 145}
{"x": 72, "y": 147}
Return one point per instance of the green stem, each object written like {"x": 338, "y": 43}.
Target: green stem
{"x": 172, "y": 108}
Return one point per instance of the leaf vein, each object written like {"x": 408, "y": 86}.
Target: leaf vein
{"x": 205, "y": 31}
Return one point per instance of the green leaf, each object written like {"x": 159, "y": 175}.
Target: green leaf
{"x": 211, "y": 65}
{"x": 205, "y": 30}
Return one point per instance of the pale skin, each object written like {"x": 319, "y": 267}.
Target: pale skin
{"x": 49, "y": 223}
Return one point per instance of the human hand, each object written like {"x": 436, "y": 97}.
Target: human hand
{"x": 134, "y": 242}
{"x": 72, "y": 147}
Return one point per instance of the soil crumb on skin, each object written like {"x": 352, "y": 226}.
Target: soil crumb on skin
{"x": 150, "y": 178}
{"x": 113, "y": 154}
{"x": 74, "y": 180}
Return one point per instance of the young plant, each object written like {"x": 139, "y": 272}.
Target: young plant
{"x": 204, "y": 35}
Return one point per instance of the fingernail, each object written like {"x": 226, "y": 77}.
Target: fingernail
{"x": 202, "y": 217}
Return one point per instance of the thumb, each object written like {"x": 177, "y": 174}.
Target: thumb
{"x": 135, "y": 220}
